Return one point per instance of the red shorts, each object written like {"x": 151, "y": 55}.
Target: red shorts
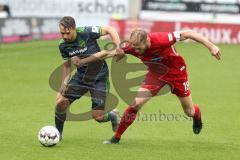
{"x": 175, "y": 77}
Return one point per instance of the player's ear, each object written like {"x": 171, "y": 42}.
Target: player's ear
{"x": 148, "y": 41}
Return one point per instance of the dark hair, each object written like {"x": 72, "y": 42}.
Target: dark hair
{"x": 67, "y": 22}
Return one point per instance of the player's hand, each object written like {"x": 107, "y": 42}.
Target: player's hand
{"x": 215, "y": 51}
{"x": 119, "y": 54}
{"x": 76, "y": 60}
{"x": 111, "y": 53}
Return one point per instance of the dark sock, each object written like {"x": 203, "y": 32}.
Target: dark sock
{"x": 127, "y": 119}
{"x": 59, "y": 121}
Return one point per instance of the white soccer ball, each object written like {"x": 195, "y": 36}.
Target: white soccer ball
{"x": 49, "y": 136}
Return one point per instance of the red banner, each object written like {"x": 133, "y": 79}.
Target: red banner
{"x": 217, "y": 33}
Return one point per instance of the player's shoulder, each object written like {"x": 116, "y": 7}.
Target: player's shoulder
{"x": 93, "y": 29}
{"x": 162, "y": 37}
{"x": 158, "y": 34}
{"x": 62, "y": 45}
{"x": 81, "y": 29}
{"x": 61, "y": 42}
{"x": 86, "y": 28}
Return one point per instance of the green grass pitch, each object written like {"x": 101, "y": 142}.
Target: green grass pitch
{"x": 27, "y": 104}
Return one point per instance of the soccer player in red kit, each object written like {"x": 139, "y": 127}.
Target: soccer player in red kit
{"x": 165, "y": 67}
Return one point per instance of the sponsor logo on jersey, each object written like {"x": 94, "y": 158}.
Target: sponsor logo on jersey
{"x": 157, "y": 59}
{"x": 82, "y": 43}
{"x": 78, "y": 51}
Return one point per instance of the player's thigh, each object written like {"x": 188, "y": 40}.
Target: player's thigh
{"x": 142, "y": 97}
{"x": 181, "y": 89}
{"x": 149, "y": 88}
{"x": 75, "y": 88}
{"x": 99, "y": 94}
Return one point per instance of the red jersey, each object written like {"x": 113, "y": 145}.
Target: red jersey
{"x": 161, "y": 55}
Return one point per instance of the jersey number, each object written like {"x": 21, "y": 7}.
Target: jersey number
{"x": 186, "y": 86}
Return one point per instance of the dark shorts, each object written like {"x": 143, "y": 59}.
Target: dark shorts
{"x": 98, "y": 90}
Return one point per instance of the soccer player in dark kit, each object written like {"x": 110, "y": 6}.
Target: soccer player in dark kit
{"x": 165, "y": 67}
{"x": 75, "y": 45}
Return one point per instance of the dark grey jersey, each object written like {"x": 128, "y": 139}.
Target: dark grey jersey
{"x": 83, "y": 46}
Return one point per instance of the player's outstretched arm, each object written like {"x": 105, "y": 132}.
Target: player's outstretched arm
{"x": 108, "y": 30}
{"x": 189, "y": 34}
{"x": 95, "y": 57}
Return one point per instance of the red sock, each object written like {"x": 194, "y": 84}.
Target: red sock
{"x": 197, "y": 113}
{"x": 127, "y": 119}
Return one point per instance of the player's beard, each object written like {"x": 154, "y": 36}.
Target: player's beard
{"x": 66, "y": 40}
{"x": 74, "y": 36}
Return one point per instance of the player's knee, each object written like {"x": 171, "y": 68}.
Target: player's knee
{"x": 99, "y": 119}
{"x": 136, "y": 105}
{"x": 98, "y": 115}
{"x": 62, "y": 104}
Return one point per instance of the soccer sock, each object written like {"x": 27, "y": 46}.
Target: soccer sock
{"x": 196, "y": 112}
{"x": 127, "y": 119}
{"x": 59, "y": 120}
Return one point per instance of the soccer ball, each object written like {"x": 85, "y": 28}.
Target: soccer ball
{"x": 48, "y": 136}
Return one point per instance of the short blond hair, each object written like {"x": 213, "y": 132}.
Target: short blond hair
{"x": 138, "y": 36}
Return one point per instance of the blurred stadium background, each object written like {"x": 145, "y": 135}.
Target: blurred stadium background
{"x": 29, "y": 54}
{"x": 23, "y": 20}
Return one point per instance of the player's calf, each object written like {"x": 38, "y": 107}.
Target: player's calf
{"x": 60, "y": 113}
{"x": 189, "y": 111}
{"x": 192, "y": 111}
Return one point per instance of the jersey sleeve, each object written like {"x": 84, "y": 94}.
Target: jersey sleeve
{"x": 166, "y": 38}
{"x": 94, "y": 31}
{"x": 177, "y": 35}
